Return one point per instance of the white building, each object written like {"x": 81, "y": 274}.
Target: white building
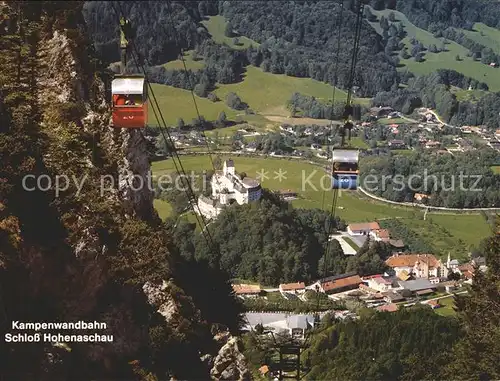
{"x": 227, "y": 188}
{"x": 296, "y": 325}
{"x": 380, "y": 284}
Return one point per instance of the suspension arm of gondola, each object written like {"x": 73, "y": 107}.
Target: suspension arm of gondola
{"x": 348, "y": 110}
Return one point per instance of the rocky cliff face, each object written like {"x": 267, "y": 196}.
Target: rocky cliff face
{"x": 63, "y": 80}
{"x": 89, "y": 246}
{"x": 135, "y": 175}
{"x": 230, "y": 364}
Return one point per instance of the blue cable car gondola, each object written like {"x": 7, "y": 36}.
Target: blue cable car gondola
{"x": 345, "y": 170}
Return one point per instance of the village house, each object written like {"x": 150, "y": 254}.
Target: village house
{"x": 288, "y": 194}
{"x": 381, "y": 112}
{"x": 418, "y": 287}
{"x": 251, "y": 147}
{"x": 397, "y": 244}
{"x": 393, "y": 297}
{"x": 432, "y": 144}
{"x": 466, "y": 270}
{"x": 449, "y": 286}
{"x": 292, "y": 288}
{"x": 296, "y": 325}
{"x": 452, "y": 264}
{"x": 339, "y": 283}
{"x": 380, "y": 235}
{"x": 380, "y": 283}
{"x": 418, "y": 265}
{"x": 362, "y": 228}
{"x": 479, "y": 261}
{"x": 247, "y": 290}
{"x": 388, "y": 308}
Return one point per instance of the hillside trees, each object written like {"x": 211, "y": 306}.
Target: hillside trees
{"x": 475, "y": 357}
{"x": 443, "y": 13}
{"x": 450, "y": 181}
{"x": 295, "y": 31}
{"x": 433, "y": 91}
{"x": 235, "y": 102}
{"x": 270, "y": 242}
{"x": 310, "y": 107}
{"x": 267, "y": 241}
{"x": 309, "y": 31}
{"x": 155, "y": 39}
{"x": 369, "y": 348}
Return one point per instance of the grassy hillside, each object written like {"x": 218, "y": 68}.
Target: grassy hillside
{"x": 468, "y": 95}
{"x": 268, "y": 93}
{"x": 216, "y": 26}
{"x": 443, "y": 60}
{"x": 178, "y": 103}
{"x": 265, "y": 93}
{"x": 485, "y": 35}
{"x": 450, "y": 232}
{"x": 188, "y": 59}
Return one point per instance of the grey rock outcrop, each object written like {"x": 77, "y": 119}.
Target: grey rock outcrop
{"x": 230, "y": 363}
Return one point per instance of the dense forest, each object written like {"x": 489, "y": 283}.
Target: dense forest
{"x": 152, "y": 21}
{"x": 445, "y": 18}
{"x": 463, "y": 180}
{"x": 271, "y": 242}
{"x": 300, "y": 39}
{"x": 404, "y": 345}
{"x": 296, "y": 38}
{"x": 445, "y": 13}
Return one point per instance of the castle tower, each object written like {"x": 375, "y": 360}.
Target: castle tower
{"x": 228, "y": 167}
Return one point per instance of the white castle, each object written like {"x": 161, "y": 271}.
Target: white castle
{"x": 227, "y": 188}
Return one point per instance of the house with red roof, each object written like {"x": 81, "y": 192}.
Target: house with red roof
{"x": 381, "y": 235}
{"x": 292, "y": 288}
{"x": 364, "y": 228}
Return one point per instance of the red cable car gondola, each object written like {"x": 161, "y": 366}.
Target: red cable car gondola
{"x": 130, "y": 98}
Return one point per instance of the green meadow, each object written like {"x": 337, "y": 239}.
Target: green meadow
{"x": 216, "y": 26}
{"x": 447, "y": 306}
{"x": 178, "y": 103}
{"x": 485, "y": 35}
{"x": 447, "y": 231}
{"x": 468, "y": 95}
{"x": 265, "y": 93}
{"x": 188, "y": 60}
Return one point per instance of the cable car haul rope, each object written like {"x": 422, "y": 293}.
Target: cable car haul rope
{"x": 131, "y": 95}
{"x": 131, "y": 117}
{"x": 344, "y": 170}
